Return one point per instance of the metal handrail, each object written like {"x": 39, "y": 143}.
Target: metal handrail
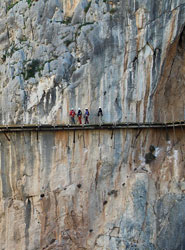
{"x": 58, "y": 127}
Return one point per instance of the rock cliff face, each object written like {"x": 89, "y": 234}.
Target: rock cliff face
{"x": 93, "y": 189}
{"x": 125, "y": 56}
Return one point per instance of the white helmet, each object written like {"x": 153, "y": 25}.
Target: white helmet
{"x": 78, "y": 108}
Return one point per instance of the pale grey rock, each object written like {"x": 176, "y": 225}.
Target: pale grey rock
{"x": 79, "y": 14}
{"x": 171, "y": 210}
{"x": 46, "y": 169}
{"x": 128, "y": 58}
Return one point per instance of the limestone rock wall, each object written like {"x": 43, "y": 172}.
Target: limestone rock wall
{"x": 121, "y": 55}
{"x": 92, "y": 190}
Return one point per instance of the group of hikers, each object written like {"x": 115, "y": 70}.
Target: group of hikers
{"x": 79, "y": 114}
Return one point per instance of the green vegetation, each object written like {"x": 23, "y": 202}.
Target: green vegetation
{"x": 3, "y": 58}
{"x": 113, "y": 10}
{"x": 11, "y": 51}
{"x": 87, "y": 8}
{"x": 68, "y": 42}
{"x": 29, "y": 2}
{"x": 79, "y": 29}
{"x": 67, "y": 20}
{"x": 23, "y": 39}
{"x": 84, "y": 24}
{"x": 11, "y": 5}
{"x": 32, "y": 68}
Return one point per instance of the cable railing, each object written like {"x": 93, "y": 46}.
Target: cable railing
{"x": 109, "y": 120}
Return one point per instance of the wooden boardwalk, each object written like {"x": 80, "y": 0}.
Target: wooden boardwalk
{"x": 111, "y": 126}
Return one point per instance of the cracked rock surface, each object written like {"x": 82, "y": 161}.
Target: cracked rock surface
{"x": 97, "y": 193}
{"x": 123, "y": 56}
{"x": 92, "y": 190}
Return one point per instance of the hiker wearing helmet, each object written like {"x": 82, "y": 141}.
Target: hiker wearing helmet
{"x": 72, "y": 115}
{"x": 86, "y": 116}
{"x": 100, "y": 115}
{"x": 79, "y": 114}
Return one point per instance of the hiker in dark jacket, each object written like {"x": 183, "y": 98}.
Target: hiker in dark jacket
{"x": 100, "y": 115}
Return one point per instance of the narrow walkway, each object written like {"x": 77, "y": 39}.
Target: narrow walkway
{"x": 47, "y": 127}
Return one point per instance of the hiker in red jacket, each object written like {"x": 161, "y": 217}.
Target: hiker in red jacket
{"x": 86, "y": 116}
{"x": 72, "y": 115}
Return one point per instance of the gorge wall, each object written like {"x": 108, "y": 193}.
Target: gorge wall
{"x": 92, "y": 189}
{"x": 126, "y": 56}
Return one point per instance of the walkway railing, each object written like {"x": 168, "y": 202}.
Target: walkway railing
{"x": 48, "y": 127}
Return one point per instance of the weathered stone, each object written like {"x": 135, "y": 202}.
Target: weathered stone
{"x": 125, "y": 44}
{"x": 92, "y": 189}
{"x": 53, "y": 188}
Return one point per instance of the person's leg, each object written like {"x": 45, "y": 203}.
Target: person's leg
{"x": 101, "y": 119}
{"x": 73, "y": 120}
{"x": 80, "y": 119}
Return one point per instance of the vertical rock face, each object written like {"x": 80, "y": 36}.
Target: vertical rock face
{"x": 170, "y": 89}
{"x": 122, "y": 56}
{"x": 97, "y": 189}
{"x": 92, "y": 190}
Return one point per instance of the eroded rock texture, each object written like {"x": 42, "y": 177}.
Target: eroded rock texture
{"x": 126, "y": 56}
{"x": 98, "y": 189}
{"x": 92, "y": 190}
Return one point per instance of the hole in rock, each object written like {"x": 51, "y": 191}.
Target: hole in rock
{"x": 149, "y": 157}
{"x": 152, "y": 148}
{"x": 104, "y": 203}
